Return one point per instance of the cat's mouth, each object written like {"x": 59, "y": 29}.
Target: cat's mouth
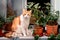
{"x": 26, "y": 17}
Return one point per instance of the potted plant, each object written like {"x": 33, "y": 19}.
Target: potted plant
{"x": 58, "y": 37}
{"x": 52, "y": 37}
{"x": 34, "y": 7}
{"x": 2, "y": 21}
{"x": 52, "y": 25}
{"x": 8, "y": 23}
{"x": 37, "y": 17}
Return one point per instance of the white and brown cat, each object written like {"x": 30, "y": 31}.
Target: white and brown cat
{"x": 20, "y": 24}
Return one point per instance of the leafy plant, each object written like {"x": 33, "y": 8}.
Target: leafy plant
{"x": 52, "y": 18}
{"x": 36, "y": 37}
{"x": 39, "y": 15}
{"x": 9, "y": 19}
{"x": 58, "y": 37}
{"x": 51, "y": 37}
{"x": 2, "y": 21}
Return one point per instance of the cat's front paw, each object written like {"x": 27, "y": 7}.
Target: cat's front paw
{"x": 29, "y": 33}
{"x": 24, "y": 35}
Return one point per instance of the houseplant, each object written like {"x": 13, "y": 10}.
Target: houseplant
{"x": 52, "y": 25}
{"x": 36, "y": 37}
{"x": 58, "y": 37}
{"x": 35, "y": 9}
{"x": 52, "y": 37}
{"x": 2, "y": 21}
{"x": 37, "y": 18}
{"x": 8, "y": 23}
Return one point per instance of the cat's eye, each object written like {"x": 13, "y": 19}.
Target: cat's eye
{"x": 28, "y": 14}
{"x": 24, "y": 14}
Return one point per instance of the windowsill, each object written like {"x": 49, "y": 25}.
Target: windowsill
{"x": 28, "y": 37}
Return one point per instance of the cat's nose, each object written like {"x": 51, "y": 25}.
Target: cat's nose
{"x": 25, "y": 16}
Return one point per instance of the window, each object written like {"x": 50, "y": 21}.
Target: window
{"x": 42, "y": 3}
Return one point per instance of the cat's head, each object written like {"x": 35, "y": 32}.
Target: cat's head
{"x": 26, "y": 13}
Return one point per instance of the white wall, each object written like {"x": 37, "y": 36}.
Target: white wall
{"x": 18, "y": 5}
{"x": 55, "y": 5}
{"x": 3, "y": 8}
{"x": 58, "y": 8}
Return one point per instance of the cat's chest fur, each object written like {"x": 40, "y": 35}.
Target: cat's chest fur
{"x": 24, "y": 22}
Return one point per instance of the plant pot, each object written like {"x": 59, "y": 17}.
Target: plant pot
{"x": 51, "y": 29}
{"x": 1, "y": 33}
{"x": 38, "y": 30}
{"x": 7, "y": 26}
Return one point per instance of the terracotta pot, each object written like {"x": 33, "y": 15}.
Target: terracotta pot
{"x": 7, "y": 26}
{"x": 1, "y": 33}
{"x": 38, "y": 30}
{"x": 51, "y": 29}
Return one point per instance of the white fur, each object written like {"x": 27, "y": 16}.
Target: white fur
{"x": 24, "y": 24}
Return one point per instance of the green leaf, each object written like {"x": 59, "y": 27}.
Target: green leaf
{"x": 58, "y": 36}
{"x": 36, "y": 37}
{"x": 52, "y": 37}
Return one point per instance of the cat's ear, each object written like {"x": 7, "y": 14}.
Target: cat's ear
{"x": 24, "y": 10}
{"x": 30, "y": 11}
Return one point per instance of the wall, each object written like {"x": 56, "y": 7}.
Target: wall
{"x": 18, "y": 5}
{"x": 55, "y": 5}
{"x": 3, "y": 8}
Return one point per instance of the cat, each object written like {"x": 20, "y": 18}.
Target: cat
{"x": 20, "y": 24}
